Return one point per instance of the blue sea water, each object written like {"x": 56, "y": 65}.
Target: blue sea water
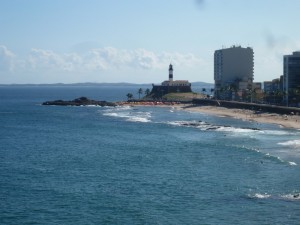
{"x": 140, "y": 165}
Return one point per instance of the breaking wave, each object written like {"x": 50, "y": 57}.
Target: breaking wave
{"x": 260, "y": 196}
{"x": 291, "y": 197}
{"x": 288, "y": 197}
{"x": 293, "y": 163}
{"x": 276, "y": 132}
{"x": 202, "y": 125}
{"x": 129, "y": 114}
{"x": 291, "y": 143}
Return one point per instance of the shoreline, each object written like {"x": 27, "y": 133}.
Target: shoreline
{"x": 285, "y": 121}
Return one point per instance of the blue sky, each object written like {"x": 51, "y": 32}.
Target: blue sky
{"x": 69, "y": 41}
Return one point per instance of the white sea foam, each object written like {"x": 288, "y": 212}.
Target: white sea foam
{"x": 276, "y": 132}
{"x": 112, "y": 114}
{"x": 261, "y": 196}
{"x": 126, "y": 112}
{"x": 93, "y": 106}
{"x": 138, "y": 119}
{"x": 293, "y": 163}
{"x": 292, "y": 143}
{"x": 277, "y": 158}
{"x": 293, "y": 197}
{"x": 281, "y": 160}
{"x": 197, "y": 124}
{"x": 290, "y": 197}
{"x": 206, "y": 126}
{"x": 234, "y": 129}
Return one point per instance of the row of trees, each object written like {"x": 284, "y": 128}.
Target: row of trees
{"x": 277, "y": 96}
{"x": 147, "y": 92}
{"x": 233, "y": 93}
{"x": 290, "y": 98}
{"x": 251, "y": 95}
{"x": 211, "y": 90}
{"x": 139, "y": 92}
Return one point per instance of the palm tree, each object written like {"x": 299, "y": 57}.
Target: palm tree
{"x": 140, "y": 91}
{"x": 220, "y": 93}
{"x": 211, "y": 92}
{"x": 129, "y": 96}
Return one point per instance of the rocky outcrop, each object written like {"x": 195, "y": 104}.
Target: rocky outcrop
{"x": 82, "y": 101}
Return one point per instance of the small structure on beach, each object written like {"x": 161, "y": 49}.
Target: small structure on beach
{"x": 171, "y": 86}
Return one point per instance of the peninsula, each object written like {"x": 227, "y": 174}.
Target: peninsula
{"x": 82, "y": 101}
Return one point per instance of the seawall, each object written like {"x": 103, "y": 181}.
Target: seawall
{"x": 251, "y": 106}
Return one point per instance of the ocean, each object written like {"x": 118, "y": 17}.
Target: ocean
{"x": 139, "y": 165}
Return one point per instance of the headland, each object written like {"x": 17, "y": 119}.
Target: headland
{"x": 82, "y": 101}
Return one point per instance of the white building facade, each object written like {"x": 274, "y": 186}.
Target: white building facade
{"x": 233, "y": 67}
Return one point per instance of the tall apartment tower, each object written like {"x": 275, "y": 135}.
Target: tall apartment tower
{"x": 232, "y": 66}
{"x": 291, "y": 73}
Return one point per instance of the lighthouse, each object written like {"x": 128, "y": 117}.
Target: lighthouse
{"x": 171, "y": 86}
{"x": 170, "y": 72}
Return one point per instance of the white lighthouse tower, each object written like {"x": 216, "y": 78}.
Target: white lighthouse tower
{"x": 170, "y": 72}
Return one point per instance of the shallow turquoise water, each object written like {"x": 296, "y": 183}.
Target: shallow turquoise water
{"x": 140, "y": 165}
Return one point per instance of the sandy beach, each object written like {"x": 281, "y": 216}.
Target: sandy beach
{"x": 287, "y": 121}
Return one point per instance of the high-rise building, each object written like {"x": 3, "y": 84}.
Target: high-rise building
{"x": 291, "y": 74}
{"x": 233, "y": 69}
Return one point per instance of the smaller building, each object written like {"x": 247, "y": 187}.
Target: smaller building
{"x": 273, "y": 92}
{"x": 257, "y": 92}
{"x": 272, "y": 86}
{"x": 281, "y": 80}
{"x": 256, "y": 86}
{"x": 171, "y": 86}
{"x": 268, "y": 86}
{"x": 291, "y": 78}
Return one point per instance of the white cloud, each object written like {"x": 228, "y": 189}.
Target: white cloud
{"x": 108, "y": 58}
{"x": 99, "y": 64}
{"x": 6, "y": 59}
{"x": 44, "y": 59}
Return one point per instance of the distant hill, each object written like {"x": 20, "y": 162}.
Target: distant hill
{"x": 199, "y": 83}
{"x": 102, "y": 84}
{"x": 80, "y": 84}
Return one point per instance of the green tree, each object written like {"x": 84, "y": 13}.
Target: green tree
{"x": 147, "y": 91}
{"x": 140, "y": 91}
{"x": 129, "y": 96}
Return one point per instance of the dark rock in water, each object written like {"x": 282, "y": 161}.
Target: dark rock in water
{"x": 251, "y": 128}
{"x": 79, "y": 102}
{"x": 213, "y": 128}
{"x": 209, "y": 127}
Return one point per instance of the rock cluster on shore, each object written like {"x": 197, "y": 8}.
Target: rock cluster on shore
{"x": 82, "y": 101}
